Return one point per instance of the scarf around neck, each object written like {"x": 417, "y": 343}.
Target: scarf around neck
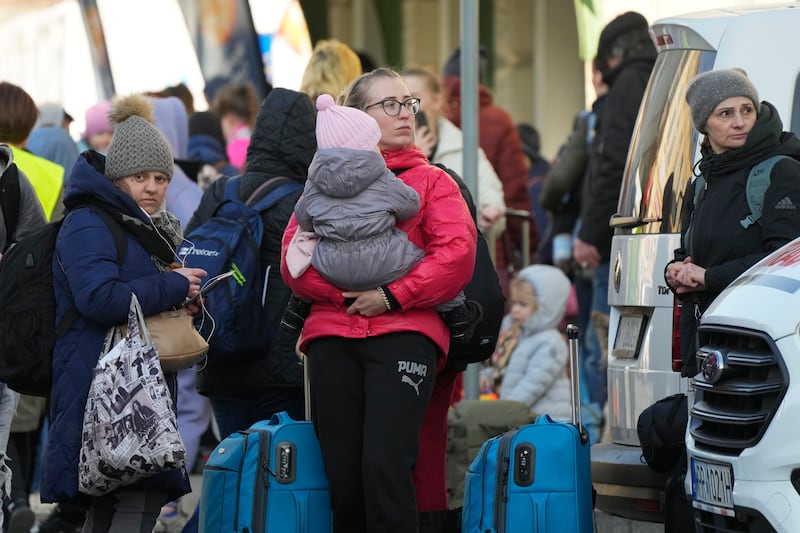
{"x": 159, "y": 239}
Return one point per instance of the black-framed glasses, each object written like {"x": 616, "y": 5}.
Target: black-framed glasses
{"x": 391, "y": 106}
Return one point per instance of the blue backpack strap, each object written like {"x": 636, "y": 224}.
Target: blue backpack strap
{"x": 275, "y": 195}
{"x": 591, "y": 124}
{"x": 231, "y": 192}
{"x": 758, "y": 180}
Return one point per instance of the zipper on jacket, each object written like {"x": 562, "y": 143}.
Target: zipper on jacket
{"x": 501, "y": 484}
{"x": 261, "y": 482}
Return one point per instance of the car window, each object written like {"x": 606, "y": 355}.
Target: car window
{"x": 660, "y": 157}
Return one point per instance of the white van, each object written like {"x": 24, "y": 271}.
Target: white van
{"x": 742, "y": 443}
{"x": 644, "y": 359}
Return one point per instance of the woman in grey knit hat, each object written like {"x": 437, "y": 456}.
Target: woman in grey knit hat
{"x": 722, "y": 235}
{"x": 94, "y": 279}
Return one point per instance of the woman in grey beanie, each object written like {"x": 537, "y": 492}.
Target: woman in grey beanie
{"x": 721, "y": 235}
{"x": 94, "y": 279}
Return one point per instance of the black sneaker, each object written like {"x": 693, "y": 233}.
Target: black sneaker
{"x": 20, "y": 517}
{"x": 462, "y": 320}
{"x": 295, "y": 315}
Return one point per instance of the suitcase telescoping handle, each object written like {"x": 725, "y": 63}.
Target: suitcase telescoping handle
{"x": 306, "y": 389}
{"x": 575, "y": 376}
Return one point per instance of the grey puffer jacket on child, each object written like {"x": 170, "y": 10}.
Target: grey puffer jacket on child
{"x": 536, "y": 373}
{"x": 352, "y": 202}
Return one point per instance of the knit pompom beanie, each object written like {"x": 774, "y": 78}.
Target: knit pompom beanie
{"x": 137, "y": 145}
{"x": 345, "y": 127}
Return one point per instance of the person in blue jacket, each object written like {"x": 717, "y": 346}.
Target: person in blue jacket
{"x": 129, "y": 184}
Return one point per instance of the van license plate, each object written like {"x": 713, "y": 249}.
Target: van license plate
{"x": 712, "y": 484}
{"x": 629, "y": 334}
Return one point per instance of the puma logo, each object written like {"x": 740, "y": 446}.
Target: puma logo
{"x": 406, "y": 379}
{"x": 420, "y": 369}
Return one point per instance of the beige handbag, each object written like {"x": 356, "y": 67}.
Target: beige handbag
{"x": 178, "y": 343}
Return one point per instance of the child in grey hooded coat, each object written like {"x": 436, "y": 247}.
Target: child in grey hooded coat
{"x": 529, "y": 364}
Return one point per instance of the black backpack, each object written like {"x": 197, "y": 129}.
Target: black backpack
{"x": 662, "y": 428}
{"x": 28, "y": 329}
{"x": 484, "y": 288}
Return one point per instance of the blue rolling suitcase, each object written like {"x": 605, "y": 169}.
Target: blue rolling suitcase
{"x": 267, "y": 479}
{"x": 536, "y": 478}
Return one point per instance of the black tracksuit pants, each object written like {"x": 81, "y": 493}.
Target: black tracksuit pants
{"x": 368, "y": 399}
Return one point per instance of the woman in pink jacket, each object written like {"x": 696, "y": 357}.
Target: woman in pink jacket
{"x": 373, "y": 355}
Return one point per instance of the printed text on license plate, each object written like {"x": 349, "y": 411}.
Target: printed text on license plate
{"x": 712, "y": 483}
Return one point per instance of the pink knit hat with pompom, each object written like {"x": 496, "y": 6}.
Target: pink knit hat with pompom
{"x": 345, "y": 127}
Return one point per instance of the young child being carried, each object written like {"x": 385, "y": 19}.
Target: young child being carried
{"x": 529, "y": 364}
{"x": 347, "y": 215}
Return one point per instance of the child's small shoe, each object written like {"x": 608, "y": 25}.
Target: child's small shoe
{"x": 462, "y": 320}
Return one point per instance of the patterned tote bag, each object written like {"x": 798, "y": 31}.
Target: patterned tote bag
{"x": 129, "y": 427}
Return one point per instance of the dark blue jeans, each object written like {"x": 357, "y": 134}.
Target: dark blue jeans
{"x": 589, "y": 350}
{"x": 233, "y": 413}
{"x": 596, "y": 370}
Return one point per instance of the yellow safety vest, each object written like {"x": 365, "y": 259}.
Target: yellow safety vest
{"x": 46, "y": 177}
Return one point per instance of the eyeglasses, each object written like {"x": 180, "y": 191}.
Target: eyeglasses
{"x": 392, "y": 107}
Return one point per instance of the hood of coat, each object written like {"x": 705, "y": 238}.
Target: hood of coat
{"x": 343, "y": 173}
{"x": 169, "y": 116}
{"x": 283, "y": 141}
{"x": 87, "y": 180}
{"x": 206, "y": 148}
{"x": 54, "y": 144}
{"x": 644, "y": 59}
{"x": 452, "y": 92}
{"x": 552, "y": 289}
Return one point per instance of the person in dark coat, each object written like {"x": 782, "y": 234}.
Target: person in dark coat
{"x": 626, "y": 56}
{"x": 29, "y": 218}
{"x": 130, "y": 185}
{"x": 283, "y": 144}
{"x": 715, "y": 246}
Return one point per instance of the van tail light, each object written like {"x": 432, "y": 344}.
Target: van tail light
{"x": 676, "y": 335}
{"x": 664, "y": 39}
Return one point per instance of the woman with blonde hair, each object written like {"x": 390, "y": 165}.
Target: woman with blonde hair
{"x": 331, "y": 68}
{"x": 373, "y": 355}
